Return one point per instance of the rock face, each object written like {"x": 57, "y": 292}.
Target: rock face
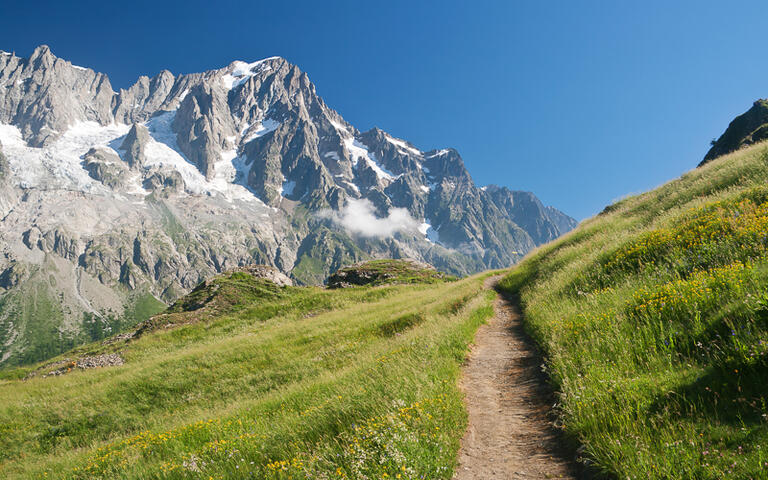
{"x": 105, "y": 166}
{"x": 746, "y": 129}
{"x": 135, "y": 145}
{"x": 112, "y": 200}
{"x": 4, "y": 168}
{"x": 45, "y": 95}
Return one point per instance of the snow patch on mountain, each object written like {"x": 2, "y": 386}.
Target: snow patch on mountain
{"x": 163, "y": 150}
{"x": 352, "y": 186}
{"x": 286, "y": 188}
{"x": 439, "y": 153}
{"x": 359, "y": 151}
{"x": 340, "y": 127}
{"x": 429, "y": 233}
{"x": 263, "y": 128}
{"x": 432, "y": 235}
{"x": 60, "y": 164}
{"x": 402, "y": 145}
{"x": 241, "y": 71}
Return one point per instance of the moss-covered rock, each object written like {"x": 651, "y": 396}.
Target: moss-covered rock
{"x": 387, "y": 271}
{"x": 748, "y": 128}
{"x": 232, "y": 288}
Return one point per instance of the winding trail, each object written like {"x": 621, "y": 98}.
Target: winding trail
{"x": 509, "y": 435}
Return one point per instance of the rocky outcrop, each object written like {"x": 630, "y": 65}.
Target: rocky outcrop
{"x": 220, "y": 293}
{"x": 13, "y": 275}
{"x": 561, "y": 221}
{"x": 387, "y": 271}
{"x": 165, "y": 181}
{"x": 266, "y": 272}
{"x": 105, "y": 166}
{"x": 82, "y": 363}
{"x": 746, "y": 129}
{"x": 135, "y": 145}
{"x": 202, "y": 124}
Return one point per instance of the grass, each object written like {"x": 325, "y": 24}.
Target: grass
{"x": 143, "y": 306}
{"x": 654, "y": 320}
{"x": 292, "y": 382}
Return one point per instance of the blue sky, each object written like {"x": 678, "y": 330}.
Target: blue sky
{"x": 580, "y": 102}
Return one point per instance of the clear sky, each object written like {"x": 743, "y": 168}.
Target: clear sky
{"x": 580, "y": 102}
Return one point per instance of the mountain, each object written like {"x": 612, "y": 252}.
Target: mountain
{"x": 748, "y": 128}
{"x": 114, "y": 203}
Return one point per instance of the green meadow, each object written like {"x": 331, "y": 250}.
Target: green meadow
{"x": 653, "y": 317}
{"x": 283, "y": 383}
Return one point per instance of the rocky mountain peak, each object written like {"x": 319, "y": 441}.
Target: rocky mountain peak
{"x": 45, "y": 95}
{"x": 42, "y": 57}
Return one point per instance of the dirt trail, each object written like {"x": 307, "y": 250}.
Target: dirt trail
{"x": 509, "y": 434}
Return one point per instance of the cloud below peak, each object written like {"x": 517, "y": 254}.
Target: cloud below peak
{"x": 358, "y": 217}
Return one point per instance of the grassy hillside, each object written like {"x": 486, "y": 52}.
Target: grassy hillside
{"x": 654, "y": 319}
{"x": 288, "y": 383}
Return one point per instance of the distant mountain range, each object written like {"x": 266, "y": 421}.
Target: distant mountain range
{"x": 114, "y": 203}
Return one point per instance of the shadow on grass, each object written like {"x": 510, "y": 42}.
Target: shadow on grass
{"x": 734, "y": 395}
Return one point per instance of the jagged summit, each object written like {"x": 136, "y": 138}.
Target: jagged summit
{"x": 244, "y": 66}
{"x": 145, "y": 191}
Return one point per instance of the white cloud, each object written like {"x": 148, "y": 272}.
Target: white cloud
{"x": 358, "y": 217}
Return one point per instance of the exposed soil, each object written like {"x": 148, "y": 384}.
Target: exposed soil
{"x": 510, "y": 434}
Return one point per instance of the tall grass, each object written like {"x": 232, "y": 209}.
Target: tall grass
{"x": 654, "y": 319}
{"x": 307, "y": 383}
